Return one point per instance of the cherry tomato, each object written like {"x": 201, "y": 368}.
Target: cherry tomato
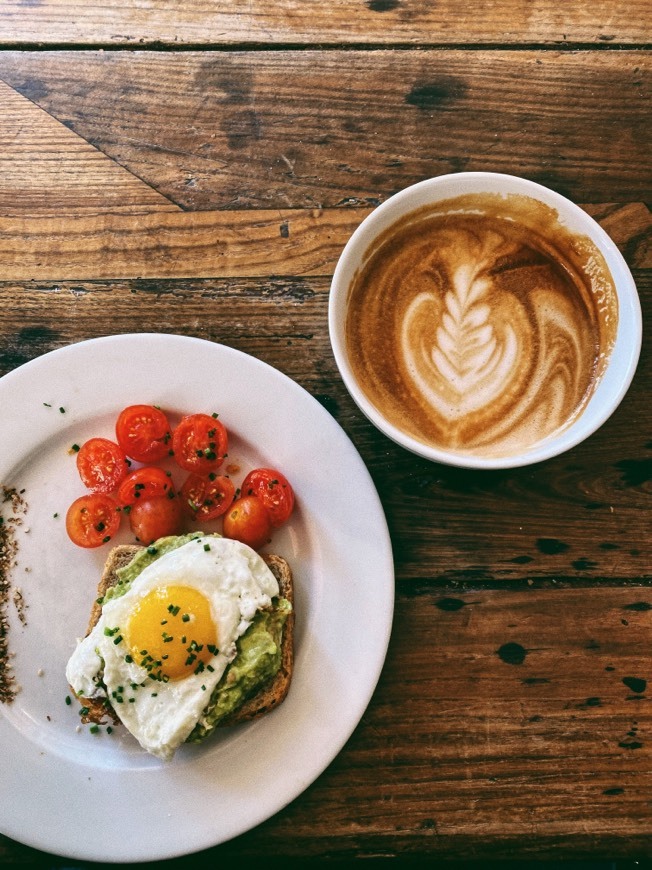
{"x": 143, "y": 483}
{"x": 206, "y": 498}
{"x": 102, "y": 464}
{"x": 274, "y": 490}
{"x": 93, "y": 519}
{"x": 247, "y": 520}
{"x": 143, "y": 432}
{"x": 155, "y": 518}
{"x": 200, "y": 443}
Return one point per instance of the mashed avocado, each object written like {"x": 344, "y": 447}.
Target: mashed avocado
{"x": 258, "y": 656}
{"x": 257, "y": 661}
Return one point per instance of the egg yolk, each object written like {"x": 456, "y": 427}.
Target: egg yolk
{"x": 171, "y": 632}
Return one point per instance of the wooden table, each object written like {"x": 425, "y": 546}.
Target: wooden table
{"x": 196, "y": 168}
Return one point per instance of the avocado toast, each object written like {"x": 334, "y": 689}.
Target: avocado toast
{"x": 255, "y": 681}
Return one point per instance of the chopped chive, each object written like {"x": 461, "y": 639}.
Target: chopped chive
{"x": 94, "y": 729}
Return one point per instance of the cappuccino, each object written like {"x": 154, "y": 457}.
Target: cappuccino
{"x": 480, "y": 324}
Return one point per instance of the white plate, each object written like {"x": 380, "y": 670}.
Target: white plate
{"x": 99, "y": 796}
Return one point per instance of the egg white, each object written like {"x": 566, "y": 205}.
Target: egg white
{"x": 234, "y": 579}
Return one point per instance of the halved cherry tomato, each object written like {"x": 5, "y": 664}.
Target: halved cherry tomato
{"x": 200, "y": 443}
{"x": 93, "y": 519}
{"x": 247, "y": 520}
{"x": 143, "y": 432}
{"x": 155, "y": 518}
{"x": 102, "y": 464}
{"x": 206, "y": 498}
{"x": 274, "y": 490}
{"x": 143, "y": 483}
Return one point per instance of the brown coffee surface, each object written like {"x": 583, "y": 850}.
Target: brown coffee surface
{"x": 481, "y": 325}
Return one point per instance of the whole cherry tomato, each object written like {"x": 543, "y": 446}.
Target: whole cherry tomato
{"x": 247, "y": 520}
{"x": 274, "y": 490}
{"x": 102, "y": 464}
{"x": 143, "y": 483}
{"x": 155, "y": 518}
{"x": 93, "y": 519}
{"x": 200, "y": 443}
{"x": 207, "y": 497}
{"x": 143, "y": 432}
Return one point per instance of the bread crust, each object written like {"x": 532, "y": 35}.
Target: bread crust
{"x": 100, "y": 711}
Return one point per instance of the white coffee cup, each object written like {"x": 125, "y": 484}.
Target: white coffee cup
{"x": 461, "y": 193}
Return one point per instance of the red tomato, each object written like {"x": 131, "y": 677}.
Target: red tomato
{"x": 143, "y": 432}
{"x": 200, "y": 443}
{"x": 102, "y": 464}
{"x": 93, "y": 519}
{"x": 144, "y": 483}
{"x": 274, "y": 490}
{"x": 247, "y": 520}
{"x": 206, "y": 498}
{"x": 155, "y": 518}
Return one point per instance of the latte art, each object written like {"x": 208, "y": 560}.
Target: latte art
{"x": 477, "y": 332}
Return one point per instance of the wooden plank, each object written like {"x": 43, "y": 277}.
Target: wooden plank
{"x": 303, "y": 129}
{"x": 579, "y": 519}
{"x": 202, "y": 22}
{"x": 504, "y": 724}
{"x": 42, "y": 161}
{"x": 171, "y": 244}
{"x": 163, "y": 244}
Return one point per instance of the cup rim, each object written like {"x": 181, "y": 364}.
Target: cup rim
{"x": 624, "y": 356}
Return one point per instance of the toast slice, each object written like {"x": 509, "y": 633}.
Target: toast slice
{"x": 96, "y": 710}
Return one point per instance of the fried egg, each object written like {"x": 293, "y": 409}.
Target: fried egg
{"x": 159, "y": 650}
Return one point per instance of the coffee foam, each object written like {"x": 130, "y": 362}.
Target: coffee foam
{"x": 481, "y": 325}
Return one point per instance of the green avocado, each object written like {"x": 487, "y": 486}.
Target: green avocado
{"x": 258, "y": 656}
{"x": 257, "y": 661}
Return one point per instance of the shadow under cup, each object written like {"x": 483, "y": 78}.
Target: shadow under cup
{"x": 484, "y": 321}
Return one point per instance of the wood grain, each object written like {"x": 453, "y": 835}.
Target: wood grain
{"x": 305, "y": 129}
{"x": 165, "y": 243}
{"x": 202, "y": 22}
{"x": 42, "y": 161}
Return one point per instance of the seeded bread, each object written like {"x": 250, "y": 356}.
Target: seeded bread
{"x": 268, "y": 697}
